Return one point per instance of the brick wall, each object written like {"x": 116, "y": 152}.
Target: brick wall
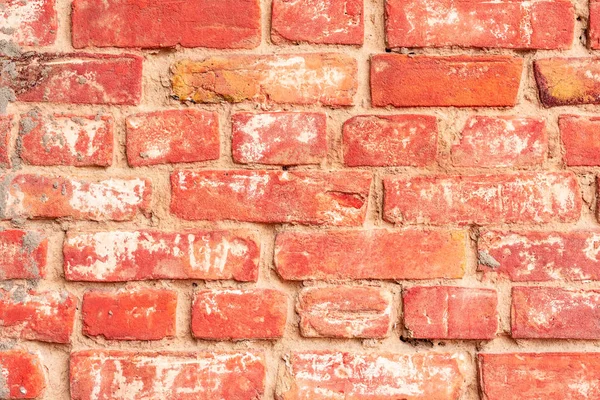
{"x": 299, "y": 199}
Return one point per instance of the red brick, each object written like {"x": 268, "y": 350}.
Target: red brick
{"x": 594, "y": 25}
{"x": 371, "y": 254}
{"x": 66, "y": 139}
{"x": 123, "y": 375}
{"x": 325, "y": 78}
{"x": 28, "y": 23}
{"x": 37, "y": 196}
{"x": 495, "y": 142}
{"x": 130, "y": 314}
{"x": 581, "y": 139}
{"x": 143, "y": 255}
{"x": 239, "y": 314}
{"x": 568, "y": 81}
{"x": 319, "y": 198}
{"x": 390, "y": 140}
{"x": 281, "y": 138}
{"x": 449, "y": 312}
{"x": 479, "y": 23}
{"x": 482, "y": 199}
{"x": 225, "y": 24}
{"x": 555, "y": 313}
{"x": 462, "y": 81}
{"x": 22, "y": 254}
{"x": 31, "y": 315}
{"x": 345, "y": 312}
{"x": 317, "y": 21}
{"x": 541, "y": 256}
{"x": 79, "y": 78}
{"x": 534, "y": 376}
{"x": 5, "y": 128}
{"x": 172, "y": 136}
{"x": 22, "y": 375}
{"x": 337, "y": 375}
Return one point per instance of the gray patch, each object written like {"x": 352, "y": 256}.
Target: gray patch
{"x": 4, "y": 188}
{"x": 486, "y": 259}
{"x": 19, "y": 294}
{"x": 6, "y": 30}
{"x": 31, "y": 241}
{"x": 10, "y": 68}
{"x": 27, "y": 125}
{"x": 7, "y": 95}
{"x": 81, "y": 80}
{"x": 4, "y": 389}
{"x": 9, "y": 48}
{"x": 78, "y": 120}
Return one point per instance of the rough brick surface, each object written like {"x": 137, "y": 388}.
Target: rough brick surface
{"x": 497, "y": 142}
{"x": 172, "y": 136}
{"x": 345, "y": 312}
{"x": 122, "y": 375}
{"x": 568, "y": 81}
{"x": 371, "y": 254}
{"x": 144, "y": 314}
{"x": 448, "y": 312}
{"x": 319, "y": 376}
{"x": 239, "y": 314}
{"x": 279, "y": 138}
{"x": 22, "y": 375}
{"x": 325, "y": 78}
{"x": 397, "y": 140}
{"x": 461, "y": 81}
{"x": 541, "y": 256}
{"x": 143, "y": 255}
{"x": 28, "y": 23}
{"x": 581, "y": 138}
{"x": 79, "y": 78}
{"x": 483, "y": 199}
{"x": 272, "y": 197}
{"x": 37, "y": 196}
{"x": 511, "y": 24}
{"x": 317, "y": 21}
{"x": 594, "y": 25}
{"x": 555, "y": 313}
{"x": 23, "y": 254}
{"x": 149, "y": 24}
{"x": 533, "y": 376}
{"x": 57, "y": 139}
{"x": 31, "y": 315}
{"x": 6, "y": 123}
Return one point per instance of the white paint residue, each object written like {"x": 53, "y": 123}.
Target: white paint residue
{"x": 592, "y": 247}
{"x": 18, "y": 15}
{"x": 61, "y": 132}
{"x": 106, "y": 196}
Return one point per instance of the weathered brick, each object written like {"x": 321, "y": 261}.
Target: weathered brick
{"x": 143, "y": 255}
{"x": 371, "y": 254}
{"x": 123, "y": 375}
{"x": 239, "y": 314}
{"x": 541, "y": 256}
{"x": 225, "y": 24}
{"x": 390, "y": 140}
{"x": 31, "y": 315}
{"x": 130, "y": 314}
{"x": 581, "y": 138}
{"x": 37, "y": 196}
{"x": 320, "y": 198}
{"x": 28, "y": 23}
{"x": 555, "y": 313}
{"x": 462, "y": 81}
{"x": 512, "y": 24}
{"x": 317, "y": 21}
{"x": 482, "y": 199}
{"x": 5, "y": 128}
{"x": 281, "y": 138}
{"x": 345, "y": 312}
{"x": 22, "y": 375}
{"x": 22, "y": 254}
{"x": 57, "y": 139}
{"x": 325, "y": 78}
{"x": 449, "y": 312}
{"x": 495, "y": 142}
{"x": 594, "y": 25}
{"x": 534, "y": 376}
{"x": 79, "y": 78}
{"x": 337, "y": 375}
{"x": 568, "y": 81}
{"x": 172, "y": 136}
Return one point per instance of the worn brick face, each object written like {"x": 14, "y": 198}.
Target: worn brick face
{"x": 581, "y": 138}
{"x": 568, "y": 81}
{"x": 239, "y": 314}
{"x": 22, "y": 375}
{"x": 28, "y": 23}
{"x": 149, "y": 24}
{"x": 6, "y": 123}
{"x": 23, "y": 254}
{"x": 172, "y": 136}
